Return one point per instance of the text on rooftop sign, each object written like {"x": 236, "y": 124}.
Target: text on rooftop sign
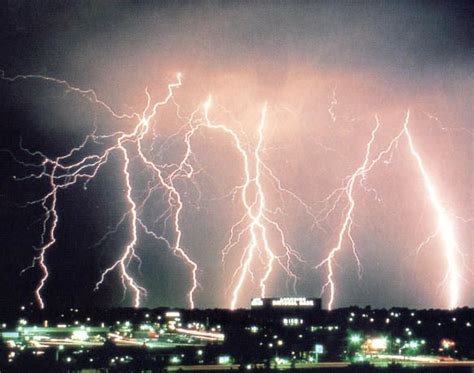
{"x": 283, "y": 302}
{"x": 293, "y": 302}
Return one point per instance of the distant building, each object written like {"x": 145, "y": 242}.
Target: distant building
{"x": 286, "y": 303}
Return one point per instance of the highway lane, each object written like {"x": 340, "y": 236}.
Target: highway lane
{"x": 323, "y": 365}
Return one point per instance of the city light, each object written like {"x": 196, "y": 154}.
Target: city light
{"x": 447, "y": 344}
{"x": 375, "y": 345}
{"x": 355, "y": 339}
{"x": 224, "y": 360}
{"x": 282, "y": 345}
{"x": 175, "y": 360}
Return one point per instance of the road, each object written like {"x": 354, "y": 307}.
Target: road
{"x": 324, "y": 365}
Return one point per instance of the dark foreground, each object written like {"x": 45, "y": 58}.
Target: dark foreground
{"x": 284, "y": 339}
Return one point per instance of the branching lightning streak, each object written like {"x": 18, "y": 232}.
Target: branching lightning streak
{"x": 348, "y": 190}
{"x": 256, "y": 223}
{"x": 64, "y": 174}
{"x": 253, "y": 232}
{"x": 174, "y": 199}
{"x": 130, "y": 249}
{"x": 50, "y": 212}
{"x": 347, "y": 222}
{"x": 89, "y": 93}
{"x": 256, "y": 220}
{"x": 445, "y": 226}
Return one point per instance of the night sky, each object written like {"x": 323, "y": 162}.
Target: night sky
{"x": 325, "y": 69}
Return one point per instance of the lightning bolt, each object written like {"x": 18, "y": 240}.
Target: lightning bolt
{"x": 256, "y": 221}
{"x": 51, "y": 214}
{"x": 254, "y": 233}
{"x": 445, "y": 226}
{"x": 174, "y": 199}
{"x": 347, "y": 192}
{"x": 346, "y": 228}
{"x": 66, "y": 172}
{"x": 257, "y": 228}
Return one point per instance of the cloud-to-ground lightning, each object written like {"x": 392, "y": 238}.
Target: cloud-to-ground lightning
{"x": 64, "y": 172}
{"x": 255, "y": 212}
{"x": 174, "y": 199}
{"x": 252, "y": 229}
{"x": 258, "y": 238}
{"x": 346, "y": 228}
{"x": 445, "y": 226}
{"x": 256, "y": 221}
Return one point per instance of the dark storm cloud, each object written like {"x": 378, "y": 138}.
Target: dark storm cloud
{"x": 394, "y": 36}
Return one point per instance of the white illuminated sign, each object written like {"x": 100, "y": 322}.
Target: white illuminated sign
{"x": 256, "y": 302}
{"x": 292, "y": 302}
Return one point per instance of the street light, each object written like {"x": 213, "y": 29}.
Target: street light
{"x": 355, "y": 339}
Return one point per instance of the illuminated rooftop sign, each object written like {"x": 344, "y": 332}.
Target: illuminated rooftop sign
{"x": 256, "y": 302}
{"x": 292, "y": 302}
